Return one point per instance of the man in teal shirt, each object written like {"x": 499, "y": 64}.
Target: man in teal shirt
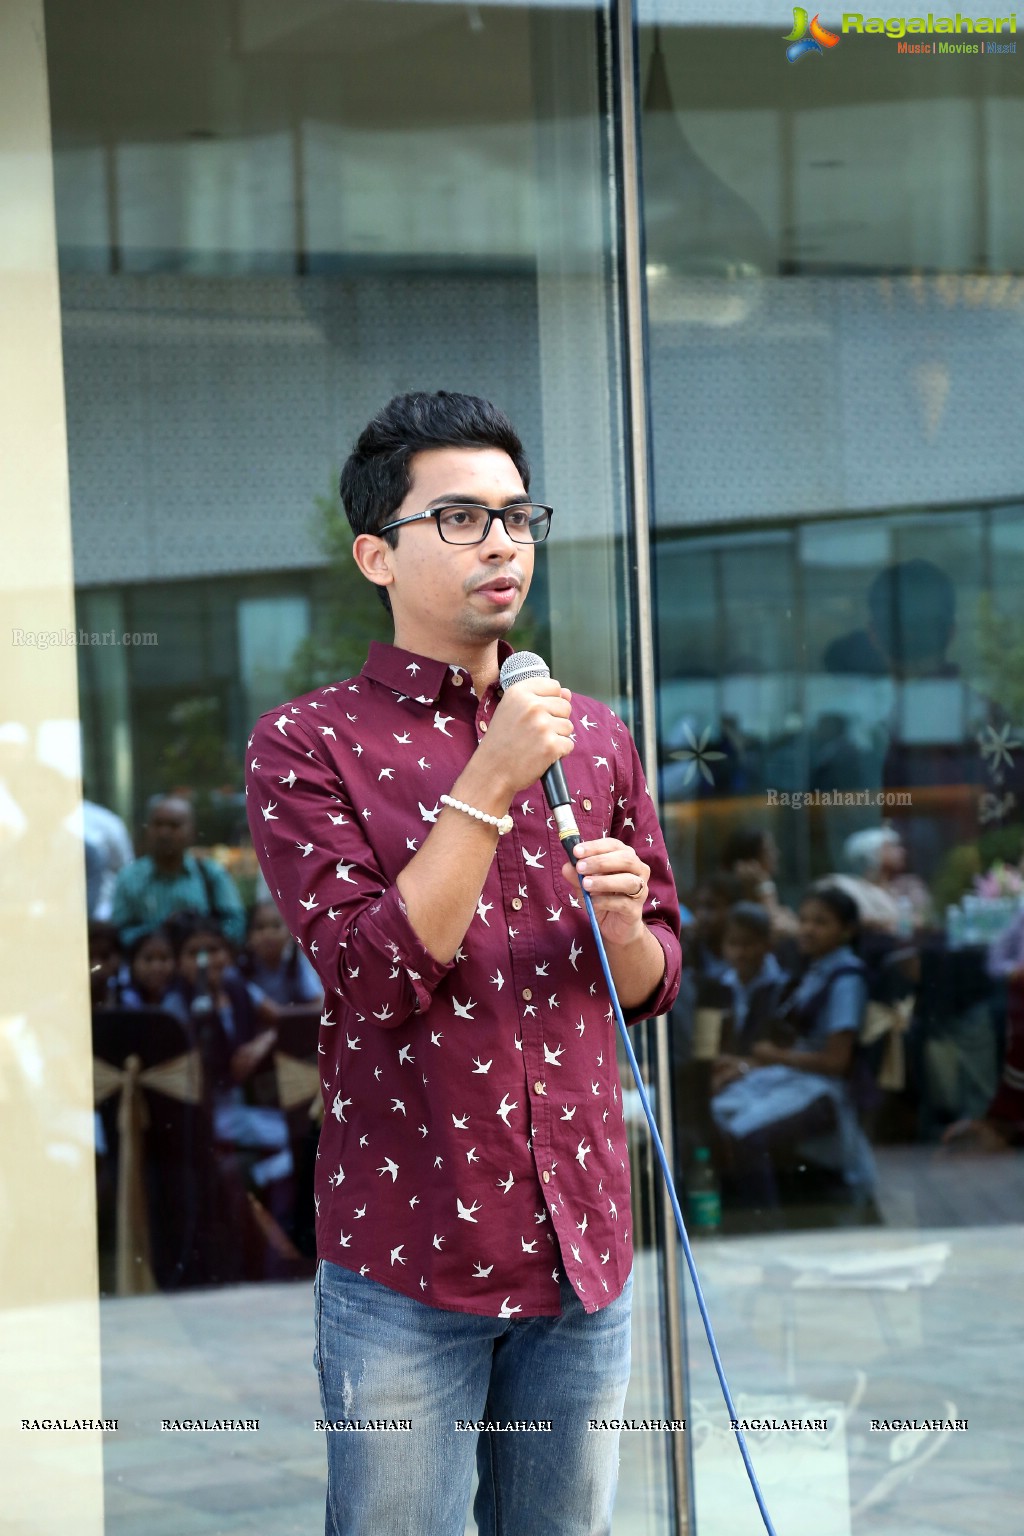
{"x": 170, "y": 879}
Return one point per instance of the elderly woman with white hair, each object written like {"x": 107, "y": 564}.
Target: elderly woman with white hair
{"x": 875, "y": 874}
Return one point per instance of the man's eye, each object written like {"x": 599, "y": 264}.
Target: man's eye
{"x": 459, "y": 519}
{"x": 518, "y": 520}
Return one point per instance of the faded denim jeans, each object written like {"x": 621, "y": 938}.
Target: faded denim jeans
{"x": 381, "y": 1355}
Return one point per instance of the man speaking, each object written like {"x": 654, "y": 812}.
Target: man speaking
{"x": 472, "y": 1182}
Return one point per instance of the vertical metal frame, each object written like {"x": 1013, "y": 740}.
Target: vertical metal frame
{"x": 638, "y": 473}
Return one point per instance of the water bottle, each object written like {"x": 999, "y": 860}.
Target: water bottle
{"x": 703, "y": 1200}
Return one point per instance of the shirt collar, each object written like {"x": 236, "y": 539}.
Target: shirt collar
{"x": 418, "y": 677}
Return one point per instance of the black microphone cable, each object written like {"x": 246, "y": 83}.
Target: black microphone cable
{"x": 516, "y": 669}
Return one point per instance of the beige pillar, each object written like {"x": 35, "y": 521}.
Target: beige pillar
{"x": 49, "y": 1316}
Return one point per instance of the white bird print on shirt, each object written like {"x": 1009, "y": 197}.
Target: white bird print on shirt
{"x": 481, "y": 1066}
{"x": 390, "y": 1166}
{"x": 506, "y": 1310}
{"x": 436, "y": 1036}
{"x": 582, "y": 1153}
{"x": 506, "y": 1184}
{"x": 429, "y": 815}
{"x": 396, "y": 1255}
{"x": 527, "y": 808}
{"x": 422, "y": 763}
{"x": 553, "y": 1058}
{"x": 359, "y": 1212}
{"x": 442, "y": 722}
{"x": 583, "y": 1225}
{"x": 310, "y": 901}
{"x": 385, "y": 773}
{"x": 482, "y": 909}
{"x": 288, "y": 780}
{"x": 554, "y": 914}
{"x": 341, "y": 820}
{"x": 337, "y": 1179}
{"x": 535, "y": 860}
{"x": 606, "y": 1256}
{"x": 479, "y": 1272}
{"x": 463, "y": 1010}
{"x": 339, "y": 1107}
{"x": 363, "y": 1141}
{"x": 345, "y": 1240}
{"x": 404, "y": 739}
{"x": 282, "y": 722}
{"x": 529, "y": 1247}
{"x": 341, "y": 869}
{"x": 405, "y": 1054}
{"x": 472, "y": 1156}
{"x": 460, "y": 1122}
{"x": 326, "y": 1020}
{"x": 498, "y": 980}
{"x": 305, "y": 849}
{"x": 568, "y": 1113}
{"x": 613, "y": 1210}
{"x": 384, "y": 1014}
{"x": 352, "y": 1041}
{"x": 467, "y": 1212}
{"x": 575, "y": 950}
{"x": 600, "y": 762}
{"x": 575, "y": 1252}
{"x": 505, "y": 1108}
{"x": 588, "y": 725}
{"x": 397, "y": 1107}
{"x": 268, "y": 811}
{"x": 438, "y": 1240}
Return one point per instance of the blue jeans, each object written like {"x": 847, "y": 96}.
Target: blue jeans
{"x": 380, "y": 1355}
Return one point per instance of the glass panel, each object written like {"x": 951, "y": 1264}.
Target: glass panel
{"x": 270, "y": 221}
{"x": 834, "y": 280}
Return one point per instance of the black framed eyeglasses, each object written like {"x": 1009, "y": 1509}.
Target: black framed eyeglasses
{"x": 527, "y": 522}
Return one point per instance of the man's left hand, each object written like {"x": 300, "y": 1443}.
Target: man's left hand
{"x": 615, "y": 878}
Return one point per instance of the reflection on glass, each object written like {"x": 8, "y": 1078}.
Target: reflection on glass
{"x": 837, "y": 541}
{"x": 258, "y": 246}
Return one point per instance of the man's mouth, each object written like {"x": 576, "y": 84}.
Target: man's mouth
{"x": 500, "y": 589}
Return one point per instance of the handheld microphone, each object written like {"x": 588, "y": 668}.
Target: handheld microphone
{"x": 521, "y": 667}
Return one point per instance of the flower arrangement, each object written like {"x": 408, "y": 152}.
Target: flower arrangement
{"x": 1000, "y": 881}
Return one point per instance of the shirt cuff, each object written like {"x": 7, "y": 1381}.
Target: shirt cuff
{"x": 386, "y": 924}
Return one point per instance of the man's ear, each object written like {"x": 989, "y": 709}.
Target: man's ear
{"x": 372, "y": 554}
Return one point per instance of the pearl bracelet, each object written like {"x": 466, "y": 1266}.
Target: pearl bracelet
{"x": 503, "y": 823}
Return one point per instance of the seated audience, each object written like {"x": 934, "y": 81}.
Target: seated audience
{"x": 150, "y": 971}
{"x": 754, "y": 974}
{"x": 791, "y": 1087}
{"x": 252, "y": 1139}
{"x": 105, "y": 960}
{"x": 276, "y": 969}
{"x": 752, "y": 855}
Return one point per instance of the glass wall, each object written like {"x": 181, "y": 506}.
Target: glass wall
{"x": 834, "y": 280}
{"x": 267, "y": 224}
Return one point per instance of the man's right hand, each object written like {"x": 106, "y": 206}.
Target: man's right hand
{"x": 530, "y": 729}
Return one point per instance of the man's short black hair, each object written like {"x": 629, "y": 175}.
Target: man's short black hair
{"x": 376, "y": 479}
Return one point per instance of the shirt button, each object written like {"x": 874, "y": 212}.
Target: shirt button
{"x": 546, "y": 1176}
{"x": 527, "y": 993}
{"x": 483, "y": 725}
{"x": 457, "y": 679}
{"x": 517, "y": 905}
{"x": 587, "y": 805}
{"x": 538, "y": 1087}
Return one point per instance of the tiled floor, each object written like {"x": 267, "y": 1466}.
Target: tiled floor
{"x": 948, "y": 1345}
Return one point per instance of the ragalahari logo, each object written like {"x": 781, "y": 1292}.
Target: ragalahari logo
{"x": 799, "y": 42}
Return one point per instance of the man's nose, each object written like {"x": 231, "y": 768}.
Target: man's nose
{"x": 497, "y": 542}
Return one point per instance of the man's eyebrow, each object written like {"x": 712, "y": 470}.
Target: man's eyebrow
{"x": 457, "y": 500}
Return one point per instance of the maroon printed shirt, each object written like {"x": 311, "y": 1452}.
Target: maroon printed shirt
{"x": 473, "y": 1143}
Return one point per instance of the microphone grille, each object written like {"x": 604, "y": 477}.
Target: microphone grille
{"x": 520, "y": 667}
